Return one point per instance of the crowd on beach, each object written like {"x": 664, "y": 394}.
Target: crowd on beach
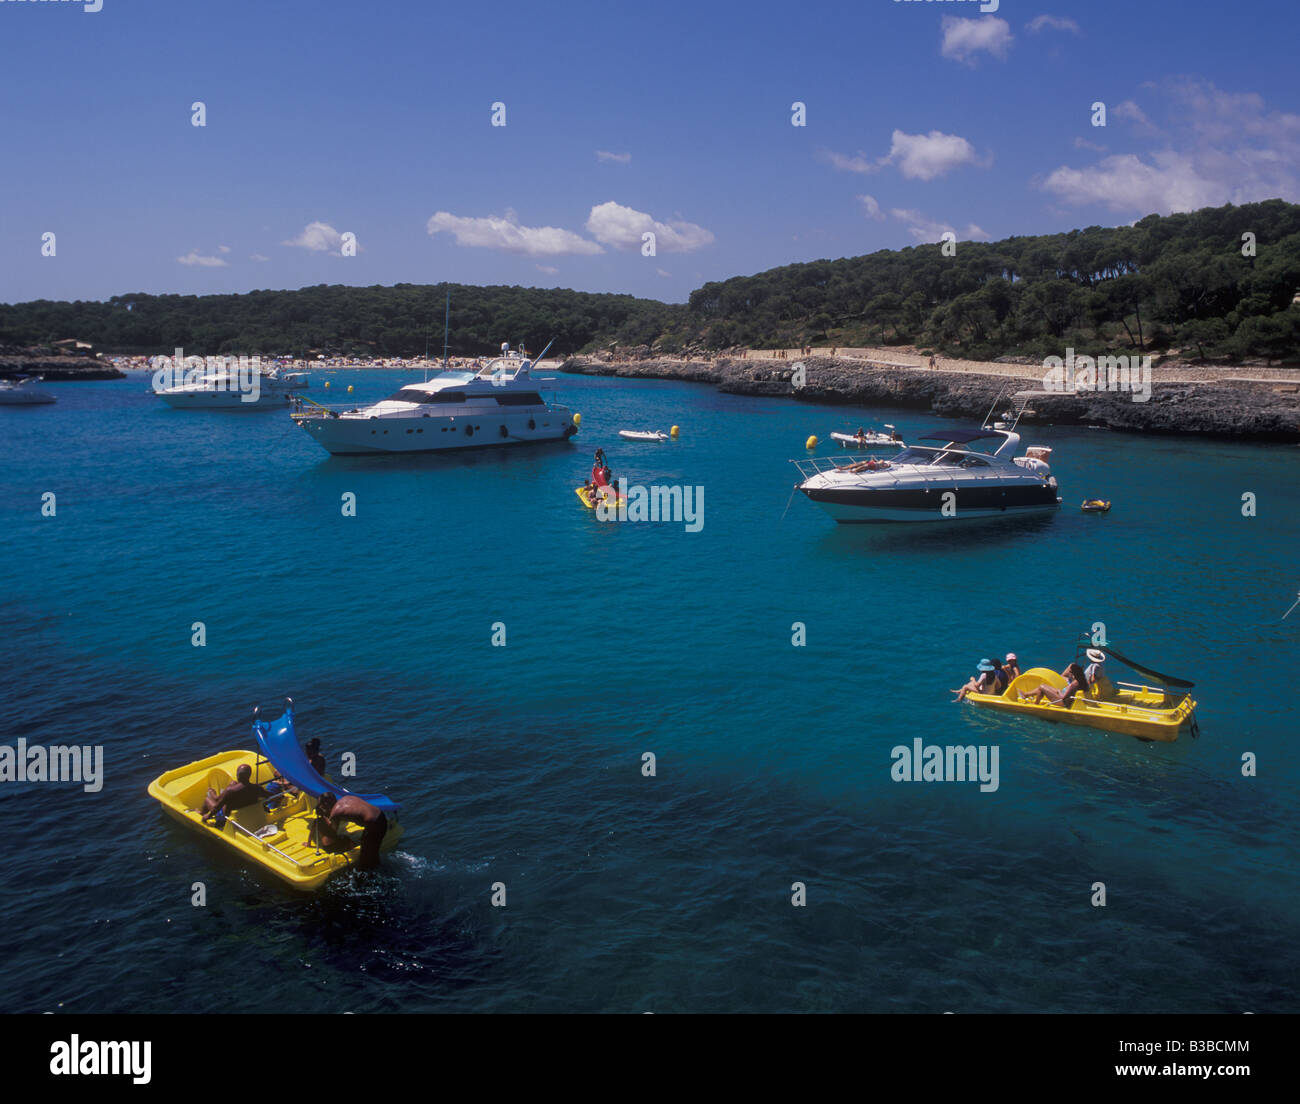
{"x": 325, "y": 364}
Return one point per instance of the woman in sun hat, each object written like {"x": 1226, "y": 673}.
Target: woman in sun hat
{"x": 984, "y": 683}
{"x": 1096, "y": 657}
{"x": 1011, "y": 665}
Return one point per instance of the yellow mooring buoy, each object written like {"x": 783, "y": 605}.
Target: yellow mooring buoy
{"x": 675, "y": 432}
{"x": 811, "y": 443}
{"x": 577, "y": 419}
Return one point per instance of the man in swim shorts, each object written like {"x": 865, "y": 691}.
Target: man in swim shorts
{"x": 334, "y": 810}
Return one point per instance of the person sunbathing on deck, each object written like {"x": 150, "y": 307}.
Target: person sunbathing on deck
{"x": 238, "y": 795}
{"x": 1076, "y": 679}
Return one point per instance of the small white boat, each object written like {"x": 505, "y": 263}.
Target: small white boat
{"x": 23, "y": 391}
{"x": 639, "y": 435}
{"x": 870, "y": 439}
{"x": 234, "y": 387}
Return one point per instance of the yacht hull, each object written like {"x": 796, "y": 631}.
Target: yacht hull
{"x": 865, "y": 506}
{"x": 222, "y": 400}
{"x": 346, "y": 436}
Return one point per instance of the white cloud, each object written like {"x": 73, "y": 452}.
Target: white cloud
{"x": 870, "y": 207}
{"x": 550, "y": 270}
{"x": 223, "y": 249}
{"x": 663, "y": 273}
{"x": 962, "y": 38}
{"x": 318, "y": 237}
{"x": 1052, "y": 23}
{"x": 926, "y": 156}
{"x": 194, "y": 257}
{"x": 258, "y": 257}
{"x": 1130, "y": 111}
{"x": 926, "y": 229}
{"x": 1083, "y": 143}
{"x": 622, "y": 227}
{"x": 1215, "y": 147}
{"x": 858, "y": 164}
{"x": 621, "y": 158}
{"x": 1125, "y": 182}
{"x": 506, "y": 234}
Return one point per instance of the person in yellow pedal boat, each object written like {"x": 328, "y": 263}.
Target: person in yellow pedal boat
{"x": 1076, "y": 679}
{"x": 238, "y": 795}
{"x": 333, "y": 810}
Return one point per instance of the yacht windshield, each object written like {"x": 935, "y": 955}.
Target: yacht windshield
{"x": 921, "y": 454}
{"x": 416, "y": 395}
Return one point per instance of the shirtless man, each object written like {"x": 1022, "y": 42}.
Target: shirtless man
{"x": 238, "y": 795}
{"x": 333, "y": 810}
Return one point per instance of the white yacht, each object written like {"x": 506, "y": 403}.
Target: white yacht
{"x": 234, "y": 388}
{"x": 935, "y": 483}
{"x": 499, "y": 404}
{"x": 23, "y": 391}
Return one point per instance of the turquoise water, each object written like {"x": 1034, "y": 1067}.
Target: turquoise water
{"x": 522, "y": 764}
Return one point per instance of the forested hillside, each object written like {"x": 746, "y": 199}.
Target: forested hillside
{"x": 1180, "y": 281}
{"x": 336, "y": 319}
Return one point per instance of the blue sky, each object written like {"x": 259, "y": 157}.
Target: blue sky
{"x": 375, "y": 120}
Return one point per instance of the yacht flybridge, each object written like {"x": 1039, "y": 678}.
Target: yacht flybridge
{"x": 497, "y": 405}
{"x": 952, "y": 479}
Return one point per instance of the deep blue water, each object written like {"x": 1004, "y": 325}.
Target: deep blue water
{"x": 521, "y": 764}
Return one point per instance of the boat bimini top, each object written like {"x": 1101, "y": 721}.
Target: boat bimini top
{"x": 278, "y": 743}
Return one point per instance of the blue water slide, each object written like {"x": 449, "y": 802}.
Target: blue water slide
{"x": 279, "y": 744}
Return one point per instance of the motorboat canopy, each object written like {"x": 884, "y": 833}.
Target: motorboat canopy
{"x": 959, "y": 436}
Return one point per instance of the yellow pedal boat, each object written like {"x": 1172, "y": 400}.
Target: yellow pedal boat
{"x": 1147, "y": 712}
{"x": 588, "y": 501}
{"x": 276, "y": 839}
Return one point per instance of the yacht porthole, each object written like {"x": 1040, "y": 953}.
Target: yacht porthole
{"x": 505, "y": 432}
{"x": 469, "y": 431}
{"x": 532, "y": 423}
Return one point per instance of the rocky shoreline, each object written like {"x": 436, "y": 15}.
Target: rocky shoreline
{"x": 1259, "y": 411}
{"x": 32, "y": 362}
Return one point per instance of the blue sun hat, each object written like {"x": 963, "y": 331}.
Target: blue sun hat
{"x": 985, "y": 665}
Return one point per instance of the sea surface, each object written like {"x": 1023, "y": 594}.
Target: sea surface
{"x": 522, "y": 764}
